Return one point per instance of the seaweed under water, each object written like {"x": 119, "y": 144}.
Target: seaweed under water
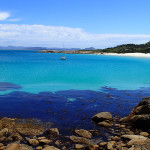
{"x": 70, "y": 109}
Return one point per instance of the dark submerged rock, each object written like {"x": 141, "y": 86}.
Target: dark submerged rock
{"x": 4, "y": 86}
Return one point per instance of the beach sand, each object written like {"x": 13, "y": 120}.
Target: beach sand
{"x": 147, "y": 55}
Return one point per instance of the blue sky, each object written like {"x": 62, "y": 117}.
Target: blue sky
{"x": 77, "y": 23}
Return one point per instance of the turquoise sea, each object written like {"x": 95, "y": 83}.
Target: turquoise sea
{"x": 37, "y": 72}
{"x": 41, "y": 86}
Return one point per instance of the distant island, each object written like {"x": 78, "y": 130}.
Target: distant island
{"x": 38, "y": 48}
{"x": 121, "y": 49}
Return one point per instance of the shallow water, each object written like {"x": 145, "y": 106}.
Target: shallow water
{"x": 68, "y": 93}
{"x": 36, "y": 72}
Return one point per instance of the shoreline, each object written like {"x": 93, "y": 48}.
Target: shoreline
{"x": 145, "y": 55}
{"x": 127, "y": 54}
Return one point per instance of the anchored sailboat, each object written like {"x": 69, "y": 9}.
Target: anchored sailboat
{"x": 63, "y": 57}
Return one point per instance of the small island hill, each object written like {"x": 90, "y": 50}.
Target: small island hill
{"x": 134, "y": 50}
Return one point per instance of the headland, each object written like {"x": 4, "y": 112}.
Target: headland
{"x": 141, "y": 50}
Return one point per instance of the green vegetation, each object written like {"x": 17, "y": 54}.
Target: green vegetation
{"x": 129, "y": 48}
{"x": 126, "y": 48}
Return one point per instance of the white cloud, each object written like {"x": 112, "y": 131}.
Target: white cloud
{"x": 53, "y": 36}
{"x": 4, "y": 16}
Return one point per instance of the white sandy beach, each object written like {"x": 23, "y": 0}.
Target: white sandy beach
{"x": 129, "y": 54}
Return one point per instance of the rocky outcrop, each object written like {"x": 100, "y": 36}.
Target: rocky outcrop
{"x": 19, "y": 126}
{"x": 103, "y": 119}
{"x": 102, "y": 116}
{"x": 140, "y": 115}
{"x": 50, "y": 148}
{"x": 144, "y": 134}
{"x": 79, "y": 146}
{"x": 33, "y": 142}
{"x": 13, "y": 146}
{"x": 24, "y": 147}
{"x": 3, "y": 132}
{"x": 52, "y": 132}
{"x": 80, "y": 140}
{"x": 131, "y": 137}
{"x": 29, "y": 129}
{"x": 83, "y": 133}
{"x": 117, "y": 135}
{"x": 105, "y": 124}
{"x": 45, "y": 141}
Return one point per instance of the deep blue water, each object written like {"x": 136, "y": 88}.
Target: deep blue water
{"x": 68, "y": 93}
